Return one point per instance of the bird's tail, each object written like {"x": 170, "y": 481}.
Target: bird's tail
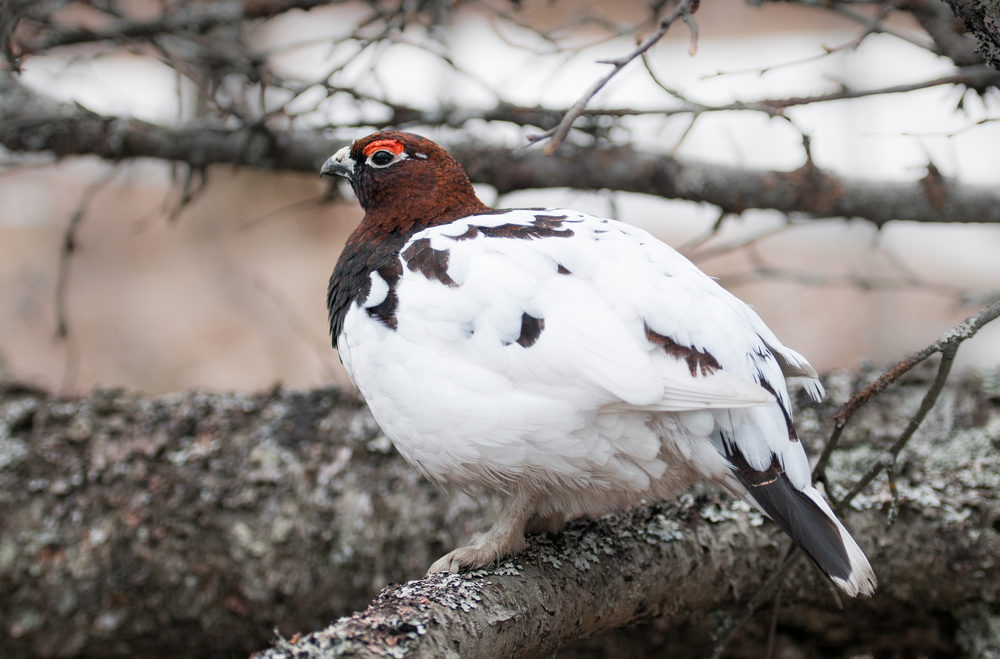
{"x": 807, "y": 519}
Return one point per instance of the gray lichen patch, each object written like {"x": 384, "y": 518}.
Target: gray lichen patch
{"x": 661, "y": 529}
{"x": 455, "y": 591}
{"x": 716, "y": 512}
{"x": 399, "y": 617}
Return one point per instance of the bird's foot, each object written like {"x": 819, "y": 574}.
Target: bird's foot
{"x": 504, "y": 539}
{"x": 471, "y": 557}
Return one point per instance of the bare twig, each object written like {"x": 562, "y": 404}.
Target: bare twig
{"x": 559, "y": 133}
{"x": 773, "y": 582}
{"x": 947, "y": 345}
{"x": 944, "y": 368}
{"x": 687, "y": 248}
{"x": 69, "y": 245}
{"x": 196, "y": 18}
{"x": 725, "y": 248}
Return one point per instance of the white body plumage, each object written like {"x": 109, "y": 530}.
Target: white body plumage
{"x": 573, "y": 364}
{"x": 467, "y": 405}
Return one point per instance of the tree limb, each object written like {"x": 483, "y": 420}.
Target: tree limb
{"x": 195, "y": 18}
{"x": 30, "y": 122}
{"x": 193, "y": 524}
{"x": 982, "y": 19}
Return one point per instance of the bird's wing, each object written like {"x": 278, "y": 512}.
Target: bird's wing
{"x": 550, "y": 297}
{"x": 503, "y": 336}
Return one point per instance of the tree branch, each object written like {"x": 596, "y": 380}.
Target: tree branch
{"x": 229, "y": 515}
{"x": 556, "y": 136}
{"x": 733, "y": 189}
{"x": 949, "y": 34}
{"x": 983, "y": 20}
{"x": 30, "y": 122}
{"x": 195, "y": 18}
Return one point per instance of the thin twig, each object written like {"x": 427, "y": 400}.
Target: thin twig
{"x": 947, "y": 359}
{"x": 698, "y": 241}
{"x": 745, "y": 241}
{"x": 890, "y": 473}
{"x": 300, "y": 326}
{"x": 284, "y": 212}
{"x": 955, "y": 336}
{"x": 559, "y": 133}
{"x": 69, "y": 245}
{"x": 66, "y": 251}
{"x": 774, "y": 581}
{"x": 773, "y": 630}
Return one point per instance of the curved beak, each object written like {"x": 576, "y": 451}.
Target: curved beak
{"x": 339, "y": 164}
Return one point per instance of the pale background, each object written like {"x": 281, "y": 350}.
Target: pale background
{"x": 230, "y": 294}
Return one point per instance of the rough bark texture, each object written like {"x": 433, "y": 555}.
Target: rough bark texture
{"x": 982, "y": 19}
{"x": 30, "y": 122}
{"x": 194, "y": 524}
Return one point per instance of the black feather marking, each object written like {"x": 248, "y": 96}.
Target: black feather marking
{"x": 546, "y": 220}
{"x": 792, "y": 436}
{"x": 431, "y": 263}
{"x": 385, "y": 310}
{"x": 562, "y": 270}
{"x": 531, "y": 329}
{"x": 795, "y": 513}
{"x": 350, "y": 281}
{"x": 697, "y": 361}
{"x": 526, "y": 232}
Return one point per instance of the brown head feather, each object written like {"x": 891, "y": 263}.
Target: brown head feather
{"x": 422, "y": 187}
{"x": 410, "y": 194}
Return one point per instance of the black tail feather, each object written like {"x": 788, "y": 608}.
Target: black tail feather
{"x": 797, "y": 515}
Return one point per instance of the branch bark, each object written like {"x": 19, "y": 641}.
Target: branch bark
{"x": 31, "y": 122}
{"x": 196, "y": 18}
{"x": 194, "y": 524}
{"x": 982, "y": 19}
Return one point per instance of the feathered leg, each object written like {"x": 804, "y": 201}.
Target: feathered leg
{"x": 505, "y": 538}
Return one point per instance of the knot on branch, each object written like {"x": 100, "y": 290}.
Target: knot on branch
{"x": 812, "y": 190}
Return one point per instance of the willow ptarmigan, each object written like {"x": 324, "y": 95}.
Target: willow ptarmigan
{"x": 566, "y": 362}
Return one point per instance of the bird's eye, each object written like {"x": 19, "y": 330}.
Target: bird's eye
{"x": 381, "y": 158}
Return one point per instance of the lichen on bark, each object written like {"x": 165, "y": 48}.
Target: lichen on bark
{"x": 195, "y": 524}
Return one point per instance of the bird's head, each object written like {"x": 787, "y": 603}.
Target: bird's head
{"x": 405, "y": 177}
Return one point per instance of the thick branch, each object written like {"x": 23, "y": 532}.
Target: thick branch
{"x": 734, "y": 189}
{"x": 30, "y": 122}
{"x": 192, "y": 525}
{"x": 196, "y": 18}
{"x": 948, "y": 34}
{"x": 982, "y": 19}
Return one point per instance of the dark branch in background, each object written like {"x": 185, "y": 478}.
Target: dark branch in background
{"x": 10, "y": 15}
{"x": 32, "y": 123}
{"x": 807, "y": 190}
{"x": 948, "y": 33}
{"x": 194, "y": 18}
